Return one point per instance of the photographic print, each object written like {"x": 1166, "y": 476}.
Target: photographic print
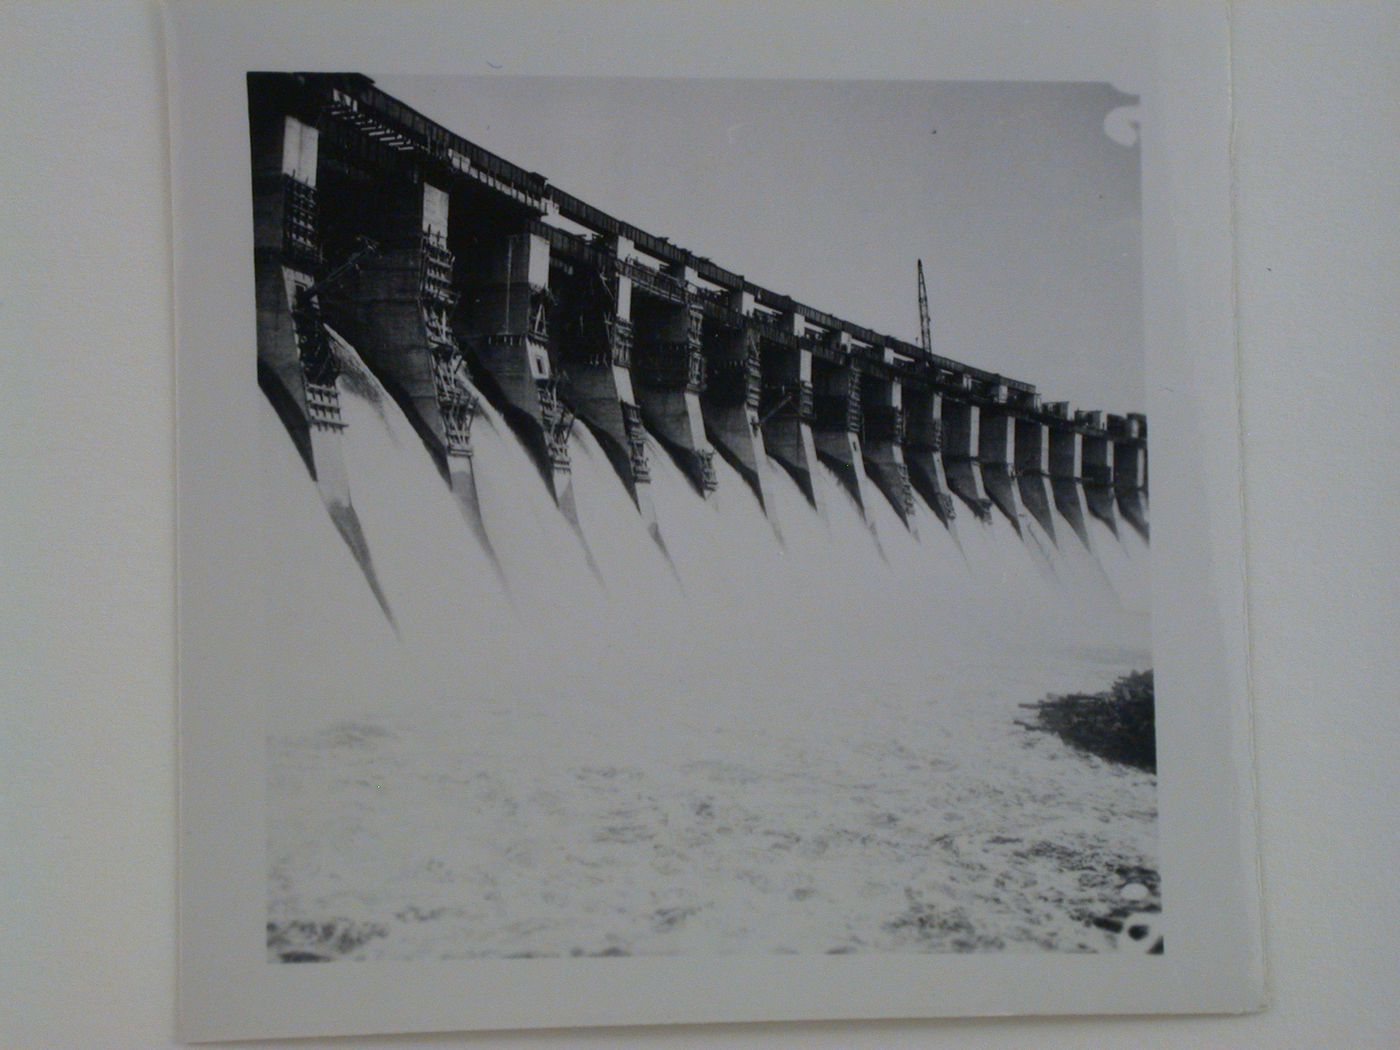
{"x": 671, "y": 539}
{"x": 701, "y": 619}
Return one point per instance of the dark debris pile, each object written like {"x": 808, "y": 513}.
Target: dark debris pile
{"x": 1117, "y": 724}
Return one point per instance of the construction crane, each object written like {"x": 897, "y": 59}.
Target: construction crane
{"x": 925, "y": 339}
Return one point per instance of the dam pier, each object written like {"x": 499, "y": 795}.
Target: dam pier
{"x": 461, "y": 278}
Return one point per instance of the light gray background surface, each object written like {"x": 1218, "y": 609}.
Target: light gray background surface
{"x": 85, "y": 536}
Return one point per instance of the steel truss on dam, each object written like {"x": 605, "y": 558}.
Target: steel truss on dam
{"x": 457, "y": 275}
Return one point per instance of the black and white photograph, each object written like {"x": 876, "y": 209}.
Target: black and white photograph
{"x": 791, "y": 598}
{"x": 663, "y": 547}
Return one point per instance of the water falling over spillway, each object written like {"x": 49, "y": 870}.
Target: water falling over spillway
{"x": 791, "y": 739}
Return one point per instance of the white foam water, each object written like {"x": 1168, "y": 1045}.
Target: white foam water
{"x": 800, "y": 739}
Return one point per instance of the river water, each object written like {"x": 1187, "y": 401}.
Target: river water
{"x": 790, "y": 739}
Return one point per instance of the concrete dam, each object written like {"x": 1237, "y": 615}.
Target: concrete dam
{"x": 460, "y": 278}
{"x": 616, "y": 604}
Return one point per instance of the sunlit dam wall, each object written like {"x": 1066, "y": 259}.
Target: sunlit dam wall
{"x": 520, "y": 411}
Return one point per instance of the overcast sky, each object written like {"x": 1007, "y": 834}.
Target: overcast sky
{"x": 1024, "y": 209}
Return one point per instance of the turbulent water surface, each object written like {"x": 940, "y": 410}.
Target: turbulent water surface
{"x": 797, "y": 735}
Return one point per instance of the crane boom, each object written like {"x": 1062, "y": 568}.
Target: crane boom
{"x": 925, "y": 337}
